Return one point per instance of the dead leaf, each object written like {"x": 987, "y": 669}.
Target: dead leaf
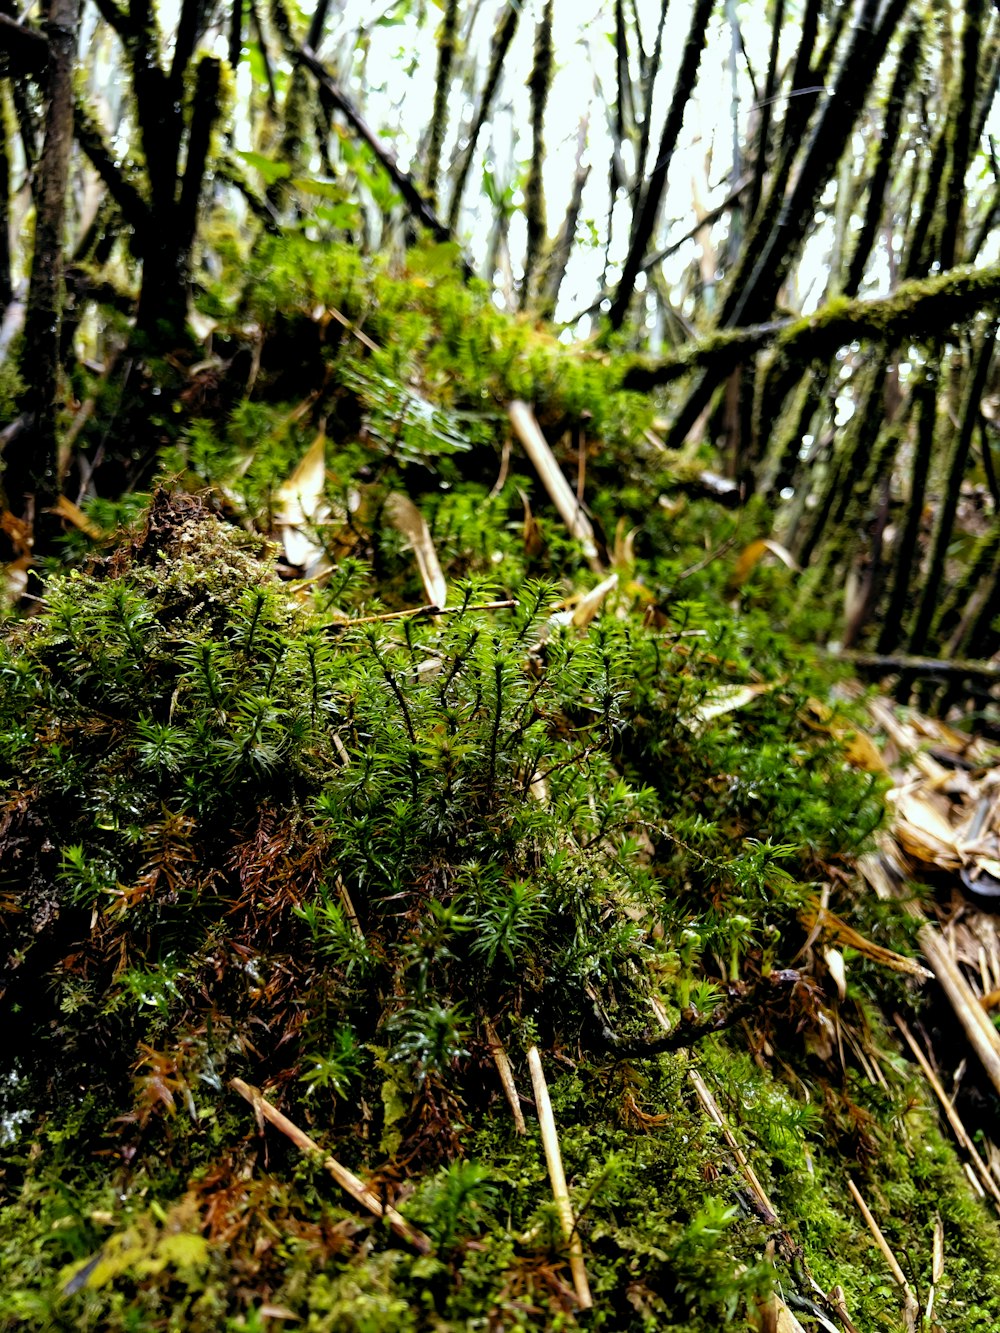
{"x": 407, "y": 519}
{"x": 726, "y": 700}
{"x": 828, "y": 923}
{"x": 751, "y": 555}
{"x": 923, "y": 830}
{"x": 299, "y": 502}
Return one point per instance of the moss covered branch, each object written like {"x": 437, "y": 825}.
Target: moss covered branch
{"x": 915, "y": 310}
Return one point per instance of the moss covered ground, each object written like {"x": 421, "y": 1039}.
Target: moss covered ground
{"x": 259, "y": 822}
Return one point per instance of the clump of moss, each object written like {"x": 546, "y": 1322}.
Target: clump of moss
{"x": 333, "y": 853}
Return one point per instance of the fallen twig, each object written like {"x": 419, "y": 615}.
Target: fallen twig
{"x": 346, "y": 1179}
{"x": 922, "y": 666}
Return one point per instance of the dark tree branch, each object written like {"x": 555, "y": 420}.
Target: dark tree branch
{"x": 6, "y": 286}
{"x": 884, "y": 663}
{"x": 648, "y": 83}
{"x": 501, "y": 44}
{"x": 128, "y": 198}
{"x": 885, "y": 159}
{"x": 442, "y": 88}
{"x": 403, "y": 182}
{"x": 539, "y": 84}
{"x": 204, "y": 114}
{"x": 235, "y": 47}
{"x": 28, "y": 48}
{"x": 962, "y": 109}
{"x": 189, "y": 29}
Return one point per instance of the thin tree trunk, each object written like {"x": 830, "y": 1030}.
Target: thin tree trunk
{"x": 6, "y": 286}
{"x": 652, "y": 197}
{"x": 45, "y": 296}
{"x": 963, "y": 106}
{"x": 904, "y": 562}
{"x": 954, "y": 472}
{"x": 442, "y": 87}
{"x": 534, "y": 193}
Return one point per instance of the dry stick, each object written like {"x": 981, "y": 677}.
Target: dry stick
{"x": 553, "y": 1158}
{"x": 506, "y": 1077}
{"x": 838, "y": 1304}
{"x": 961, "y": 1134}
{"x": 910, "y": 1300}
{"x": 347, "y": 1180}
{"x": 717, "y": 1119}
{"x": 528, "y": 431}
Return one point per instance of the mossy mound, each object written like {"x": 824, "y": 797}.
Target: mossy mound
{"x": 346, "y": 856}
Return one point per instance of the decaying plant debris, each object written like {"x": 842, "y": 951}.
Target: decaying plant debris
{"x": 278, "y": 856}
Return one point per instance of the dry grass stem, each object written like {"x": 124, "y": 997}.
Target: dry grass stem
{"x": 910, "y": 1301}
{"x": 528, "y": 431}
{"x": 717, "y": 1118}
{"x": 346, "y": 1179}
{"x": 553, "y": 1158}
{"x": 506, "y": 1077}
{"x": 429, "y": 609}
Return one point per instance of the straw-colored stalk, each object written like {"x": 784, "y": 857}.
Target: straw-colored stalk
{"x": 528, "y": 431}
{"x": 346, "y": 1179}
{"x": 717, "y": 1118}
{"x": 506, "y": 1077}
{"x": 909, "y": 1300}
{"x": 553, "y": 1158}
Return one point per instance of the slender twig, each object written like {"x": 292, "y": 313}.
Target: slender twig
{"x": 767, "y": 1209}
{"x": 415, "y": 201}
{"x": 880, "y": 1240}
